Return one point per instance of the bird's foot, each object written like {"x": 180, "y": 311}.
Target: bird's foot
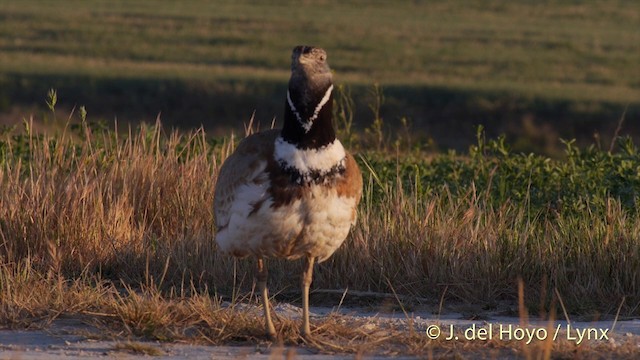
{"x": 271, "y": 334}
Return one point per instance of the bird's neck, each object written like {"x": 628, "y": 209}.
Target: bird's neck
{"x": 308, "y": 117}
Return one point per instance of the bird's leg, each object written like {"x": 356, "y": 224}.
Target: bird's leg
{"x": 262, "y": 286}
{"x": 306, "y": 283}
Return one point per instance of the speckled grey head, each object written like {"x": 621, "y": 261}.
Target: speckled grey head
{"x": 310, "y": 59}
{"x": 309, "y": 68}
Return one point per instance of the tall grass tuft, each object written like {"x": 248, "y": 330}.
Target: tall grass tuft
{"x": 107, "y": 202}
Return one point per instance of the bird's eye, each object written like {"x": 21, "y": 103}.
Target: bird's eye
{"x": 322, "y": 58}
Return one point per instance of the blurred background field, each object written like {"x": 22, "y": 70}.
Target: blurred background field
{"x": 535, "y": 71}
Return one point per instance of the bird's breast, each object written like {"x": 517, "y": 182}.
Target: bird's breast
{"x": 316, "y": 223}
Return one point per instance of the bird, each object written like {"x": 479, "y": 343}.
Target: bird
{"x": 290, "y": 193}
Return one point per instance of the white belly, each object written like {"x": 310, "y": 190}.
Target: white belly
{"x": 314, "y": 225}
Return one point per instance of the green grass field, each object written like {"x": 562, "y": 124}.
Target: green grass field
{"x": 571, "y": 66}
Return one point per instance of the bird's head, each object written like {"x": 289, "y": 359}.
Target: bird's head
{"x": 309, "y": 65}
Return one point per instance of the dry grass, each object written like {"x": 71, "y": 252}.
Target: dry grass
{"x": 119, "y": 229}
{"x": 29, "y": 300}
{"x": 116, "y": 208}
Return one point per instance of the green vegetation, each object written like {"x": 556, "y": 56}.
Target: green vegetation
{"x": 584, "y": 181}
{"x": 443, "y": 64}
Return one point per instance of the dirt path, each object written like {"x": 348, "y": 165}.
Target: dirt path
{"x": 74, "y": 339}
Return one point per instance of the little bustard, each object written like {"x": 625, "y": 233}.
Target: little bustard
{"x": 290, "y": 193}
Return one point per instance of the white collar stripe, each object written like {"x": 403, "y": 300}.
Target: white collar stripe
{"x": 306, "y": 125}
{"x": 320, "y": 160}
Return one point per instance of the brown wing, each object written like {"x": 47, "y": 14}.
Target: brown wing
{"x": 351, "y": 184}
{"x": 242, "y": 167}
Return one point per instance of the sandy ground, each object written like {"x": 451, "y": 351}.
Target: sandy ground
{"x": 71, "y": 339}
